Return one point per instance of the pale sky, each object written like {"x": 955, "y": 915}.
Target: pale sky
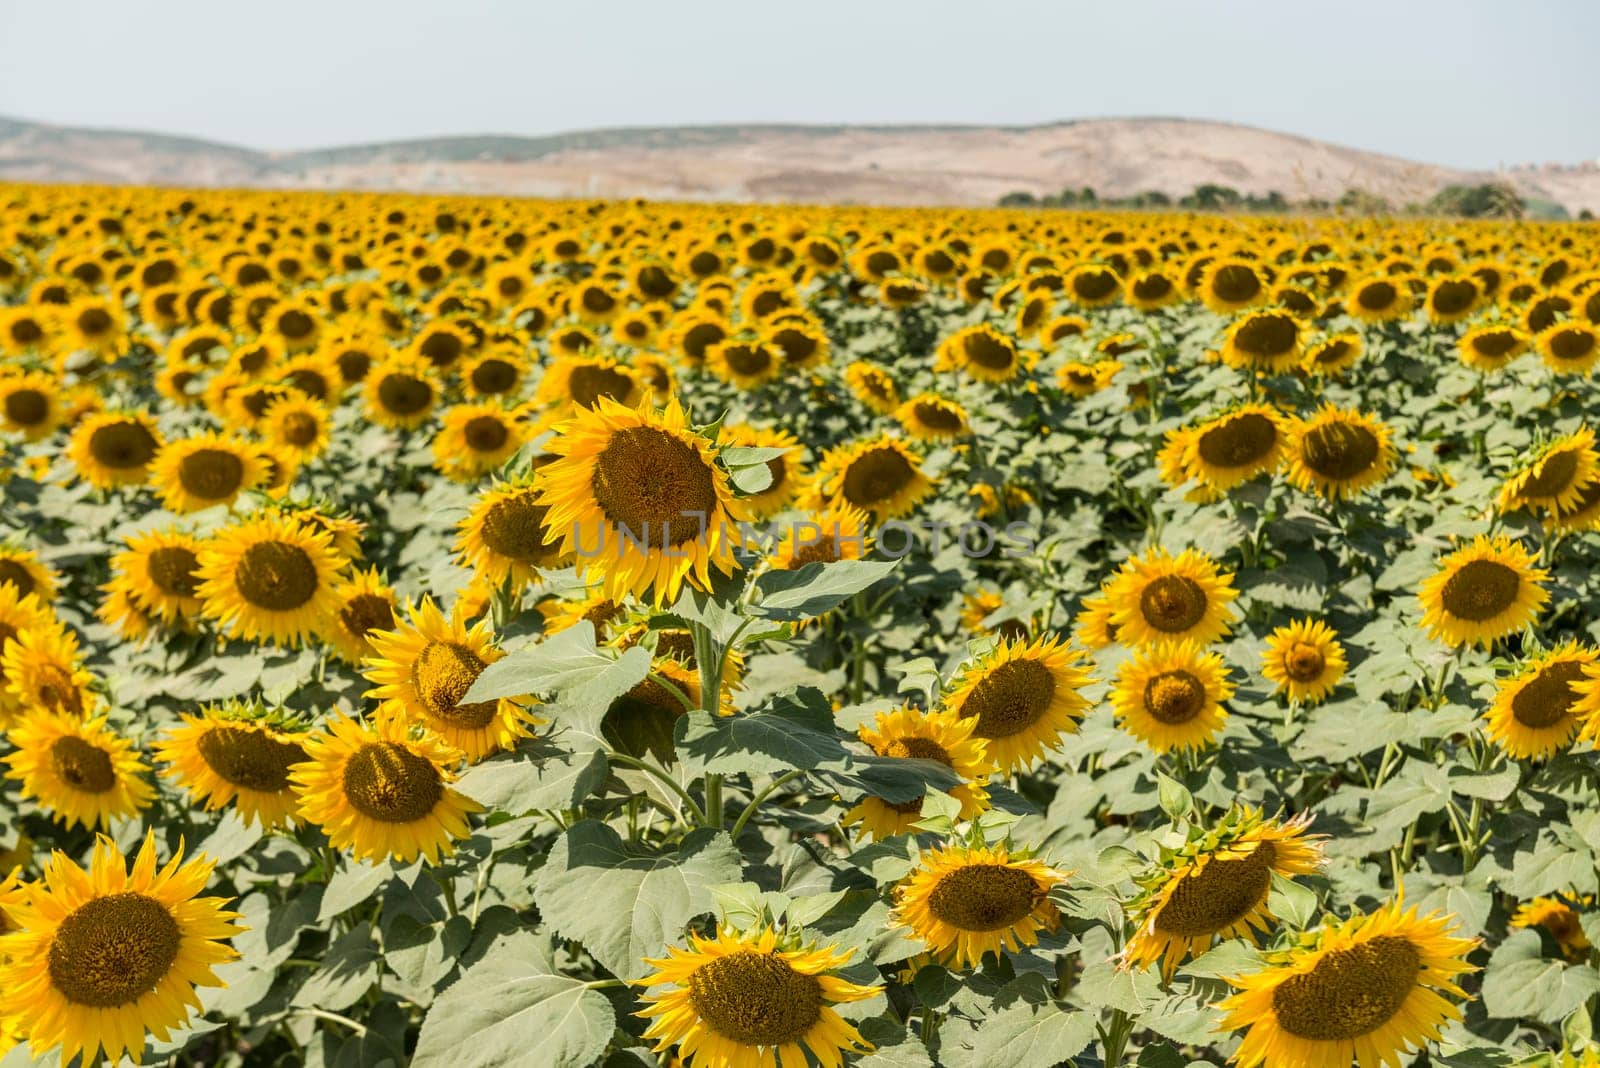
{"x": 1471, "y": 83}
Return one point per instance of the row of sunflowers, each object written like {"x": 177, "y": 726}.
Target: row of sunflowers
{"x": 489, "y": 631}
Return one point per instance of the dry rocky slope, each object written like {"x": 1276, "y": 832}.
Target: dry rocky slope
{"x": 971, "y": 165}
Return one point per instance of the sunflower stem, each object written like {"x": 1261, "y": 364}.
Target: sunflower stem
{"x": 673, "y": 784}
{"x": 713, "y": 810}
{"x": 755, "y": 802}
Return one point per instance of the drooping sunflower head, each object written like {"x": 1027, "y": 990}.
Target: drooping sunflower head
{"x": 1369, "y": 987}
{"x": 1538, "y": 711}
{"x": 1305, "y": 659}
{"x": 1560, "y": 918}
{"x": 239, "y": 754}
{"x": 1482, "y": 592}
{"x": 1269, "y": 341}
{"x": 1161, "y": 598}
{"x": 873, "y": 386}
{"x": 79, "y": 770}
{"x": 880, "y": 475}
{"x": 907, "y": 733}
{"x": 967, "y": 902}
{"x": 115, "y": 448}
{"x": 1170, "y": 696}
{"x": 1338, "y": 454}
{"x": 1334, "y": 354}
{"x": 270, "y": 578}
{"x": 1215, "y": 886}
{"x": 1554, "y": 481}
{"x": 751, "y": 998}
{"x": 1023, "y": 697}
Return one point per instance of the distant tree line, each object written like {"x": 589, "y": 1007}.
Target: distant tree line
{"x": 1490, "y": 200}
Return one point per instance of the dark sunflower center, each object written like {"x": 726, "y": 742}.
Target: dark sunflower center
{"x": 353, "y": 364}
{"x": 172, "y": 568}
{"x": 877, "y": 475}
{"x": 55, "y": 690}
{"x": 652, "y": 483}
{"x": 1235, "y": 283}
{"x": 211, "y": 474}
{"x": 1573, "y": 343}
{"x": 82, "y": 766}
{"x": 698, "y": 338}
{"x": 1217, "y": 896}
{"x": 1304, "y": 662}
{"x": 938, "y": 417}
{"x": 441, "y": 348}
{"x": 1350, "y": 992}
{"x": 14, "y": 574}
{"x": 591, "y": 381}
{"x": 249, "y": 758}
{"x": 1266, "y": 336}
{"x": 296, "y": 325}
{"x": 797, "y": 345}
{"x": 122, "y": 446}
{"x": 367, "y": 612}
{"x": 1174, "y": 697}
{"x": 1495, "y": 343}
{"x": 1011, "y": 698}
{"x": 1547, "y": 698}
{"x": 276, "y": 576}
{"x": 113, "y": 950}
{"x": 1480, "y": 590}
{"x": 748, "y": 359}
{"x": 94, "y": 322}
{"x": 988, "y": 350}
{"x": 27, "y": 407}
{"x": 442, "y": 674}
{"x": 755, "y": 999}
{"x": 1240, "y": 441}
{"x": 515, "y": 527}
{"x": 1339, "y": 451}
{"x": 494, "y": 376}
{"x": 300, "y": 429}
{"x": 984, "y": 897}
{"x": 1377, "y": 296}
{"x": 403, "y": 394}
{"x": 825, "y": 550}
{"x": 1454, "y": 297}
{"x": 914, "y": 749}
{"x": 486, "y": 434}
{"x": 1552, "y": 476}
{"x": 1172, "y": 604}
{"x": 1333, "y": 351}
{"x": 389, "y": 783}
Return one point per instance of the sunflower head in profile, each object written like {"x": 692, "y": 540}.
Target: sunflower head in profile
{"x": 1370, "y": 988}
{"x": 112, "y": 449}
{"x": 1334, "y": 354}
{"x": 969, "y": 902}
{"x": 507, "y": 537}
{"x": 401, "y": 392}
{"x": 475, "y": 439}
{"x": 1269, "y": 341}
{"x": 984, "y": 353}
{"x": 1483, "y": 592}
{"x": 640, "y": 501}
{"x": 1305, "y": 659}
{"x": 1569, "y": 348}
{"x": 1582, "y": 514}
{"x": 1538, "y": 711}
{"x": 1023, "y": 698}
{"x": 907, "y": 733}
{"x": 207, "y": 470}
{"x": 1215, "y": 885}
{"x": 590, "y": 606}
{"x": 752, "y": 998}
{"x": 1491, "y": 347}
{"x": 930, "y": 417}
{"x": 30, "y": 405}
{"x": 42, "y": 670}
{"x": 788, "y": 472}
{"x": 102, "y": 957}
{"x": 1161, "y": 598}
{"x": 426, "y": 665}
{"x": 1170, "y": 696}
{"x": 879, "y": 475}
{"x": 1093, "y": 625}
{"x": 79, "y": 770}
{"x": 236, "y": 754}
{"x": 1379, "y": 299}
{"x": 1559, "y": 918}
{"x": 1338, "y": 454}
{"x": 382, "y": 790}
{"x": 158, "y": 573}
{"x": 23, "y": 571}
{"x": 873, "y": 386}
{"x": 269, "y": 578}
{"x": 1554, "y": 480}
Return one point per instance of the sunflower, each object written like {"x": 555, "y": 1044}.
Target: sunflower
{"x": 475, "y": 439}
{"x": 1338, "y": 454}
{"x": 1161, "y": 598}
{"x": 880, "y": 475}
{"x": 496, "y": 372}
{"x": 91, "y": 323}
{"x": 1569, "y": 347}
{"x": 382, "y": 791}
{"x": 440, "y": 345}
{"x": 115, "y": 448}
{"x": 1451, "y": 299}
{"x": 235, "y": 753}
{"x": 803, "y": 344}
{"x": 1215, "y": 885}
{"x": 1538, "y": 711}
{"x": 43, "y": 671}
{"x": 751, "y": 1000}
{"x": 19, "y": 614}
{"x": 788, "y": 477}
{"x": 102, "y": 957}
{"x": 1095, "y": 628}
{"x": 1377, "y": 300}
{"x": 30, "y": 405}
{"x": 967, "y": 902}
{"x": 638, "y": 497}
{"x": 1369, "y": 988}
{"x": 640, "y": 722}
{"x": 1555, "y": 479}
{"x": 982, "y": 352}
{"x": 400, "y": 392}
{"x": 873, "y": 386}
{"x": 1267, "y": 341}
{"x": 1169, "y": 696}
{"x": 1334, "y": 354}
{"x": 581, "y": 382}
{"x": 297, "y": 423}
{"x": 1491, "y": 347}
{"x": 837, "y": 532}
{"x": 158, "y": 573}
{"x": 426, "y": 665}
{"x": 1584, "y": 513}
{"x": 745, "y": 364}
{"x": 80, "y": 770}
{"x": 1233, "y": 448}
{"x": 1231, "y": 285}
{"x": 1305, "y": 659}
{"x": 909, "y": 734}
{"x": 1024, "y": 696}
{"x": 1559, "y": 916}
{"x": 365, "y": 604}
{"x": 1483, "y": 592}
{"x": 23, "y": 571}
{"x": 209, "y": 469}
{"x": 593, "y": 607}
{"x": 1148, "y": 290}
{"x": 507, "y": 536}
{"x": 930, "y": 417}
{"x": 269, "y": 578}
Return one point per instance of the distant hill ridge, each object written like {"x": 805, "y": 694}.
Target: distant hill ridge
{"x": 884, "y": 164}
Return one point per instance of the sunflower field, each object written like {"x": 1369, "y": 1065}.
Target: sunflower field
{"x": 472, "y": 632}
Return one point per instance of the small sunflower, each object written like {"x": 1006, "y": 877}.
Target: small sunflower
{"x": 581, "y": 382}
{"x": 1491, "y": 347}
{"x": 23, "y": 571}
{"x": 1095, "y": 627}
{"x": 1483, "y": 592}
{"x": 1338, "y": 454}
{"x": 1451, "y": 299}
{"x": 400, "y": 392}
{"x": 209, "y": 469}
{"x": 910, "y": 734}
{"x": 930, "y": 417}
{"x": 1268, "y": 341}
{"x": 475, "y": 439}
{"x": 43, "y": 671}
{"x": 1162, "y": 598}
{"x": 269, "y": 578}
{"x": 493, "y": 373}
{"x": 1215, "y": 886}
{"x": 382, "y": 791}
{"x": 1334, "y": 354}
{"x": 880, "y": 475}
{"x": 80, "y": 771}
{"x": 1305, "y": 659}
{"x": 299, "y": 424}
{"x": 982, "y": 352}
{"x": 751, "y": 1000}
{"x": 1170, "y": 696}
{"x": 158, "y": 572}
{"x": 1379, "y": 299}
{"x": 235, "y": 754}
{"x": 1231, "y": 285}
{"x": 30, "y": 405}
{"x": 745, "y": 364}
{"x": 1369, "y": 988}
{"x": 1538, "y": 711}
{"x": 113, "y": 449}
{"x": 1233, "y": 448}
{"x": 873, "y": 386}
{"x": 427, "y": 664}
{"x": 1559, "y": 916}
{"x": 507, "y": 536}
{"x": 967, "y": 902}
{"x": 1554, "y": 480}
{"x": 1024, "y": 696}
{"x": 1569, "y": 347}
{"x": 366, "y": 604}
{"x": 100, "y": 958}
